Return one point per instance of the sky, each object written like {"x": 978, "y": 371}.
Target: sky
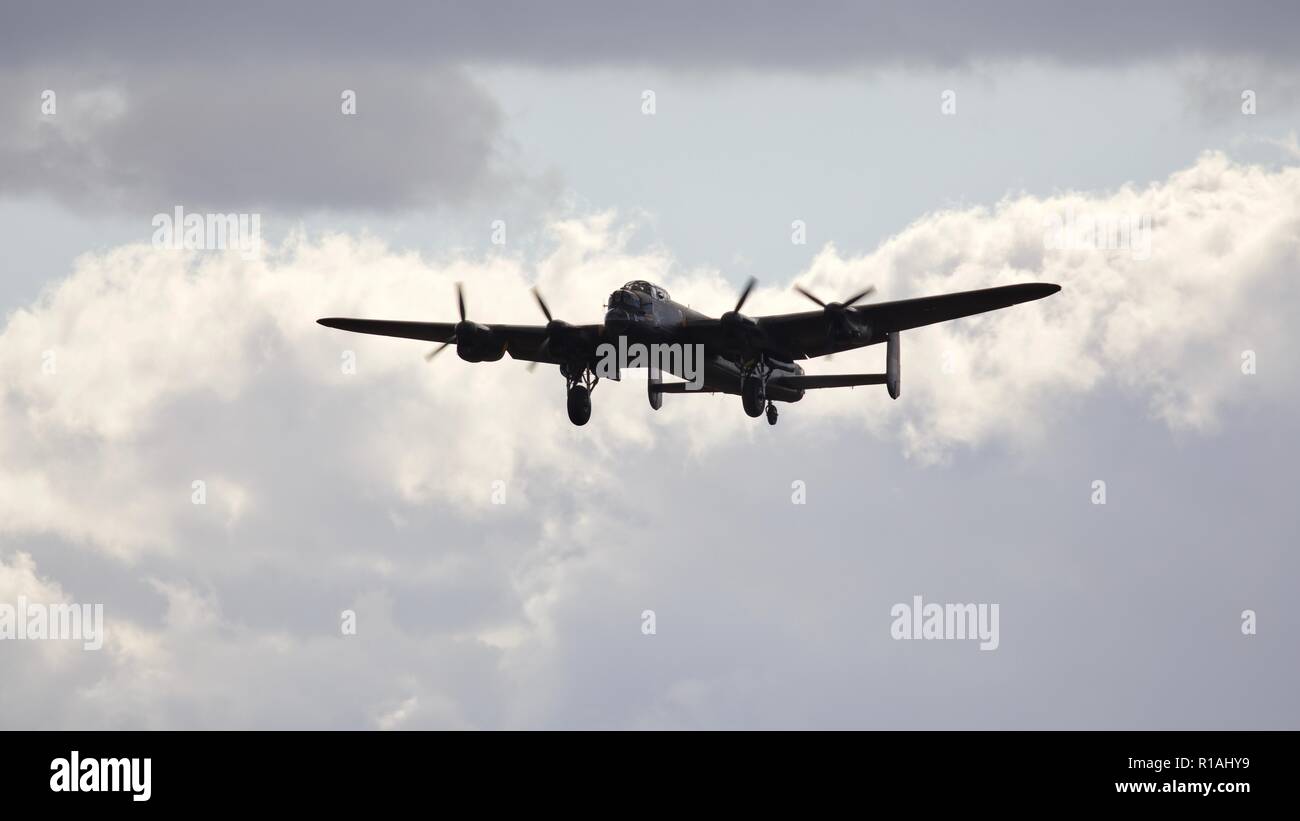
{"x": 292, "y": 527}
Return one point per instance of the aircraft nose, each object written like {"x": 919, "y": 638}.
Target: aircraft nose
{"x": 617, "y": 320}
{"x": 621, "y": 310}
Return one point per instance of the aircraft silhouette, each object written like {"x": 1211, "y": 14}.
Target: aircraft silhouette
{"x": 753, "y": 357}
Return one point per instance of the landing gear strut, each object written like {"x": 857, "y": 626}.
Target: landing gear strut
{"x": 753, "y": 390}
{"x": 580, "y": 388}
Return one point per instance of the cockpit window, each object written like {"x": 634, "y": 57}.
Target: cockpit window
{"x": 641, "y": 286}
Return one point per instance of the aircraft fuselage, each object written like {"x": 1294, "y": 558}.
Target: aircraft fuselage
{"x": 643, "y": 312}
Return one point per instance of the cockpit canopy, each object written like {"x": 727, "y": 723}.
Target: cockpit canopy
{"x": 648, "y": 288}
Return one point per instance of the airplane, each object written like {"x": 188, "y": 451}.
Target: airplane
{"x": 754, "y": 357}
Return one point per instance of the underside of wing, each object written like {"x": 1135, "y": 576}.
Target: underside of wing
{"x": 531, "y": 343}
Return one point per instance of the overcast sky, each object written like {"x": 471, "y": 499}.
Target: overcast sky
{"x": 925, "y": 147}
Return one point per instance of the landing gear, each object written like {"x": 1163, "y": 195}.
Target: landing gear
{"x": 753, "y": 389}
{"x": 581, "y": 382}
{"x": 753, "y": 385}
{"x": 579, "y": 405}
{"x": 753, "y": 395}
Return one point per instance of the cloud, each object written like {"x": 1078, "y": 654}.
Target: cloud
{"x": 327, "y": 489}
{"x": 1224, "y": 90}
{"x": 831, "y": 33}
{"x": 245, "y": 138}
{"x": 247, "y": 117}
{"x": 1170, "y": 324}
{"x": 104, "y": 368}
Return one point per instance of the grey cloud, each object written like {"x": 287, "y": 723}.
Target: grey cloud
{"x": 768, "y": 614}
{"x": 241, "y": 138}
{"x": 233, "y": 107}
{"x": 813, "y": 35}
{"x": 1215, "y": 90}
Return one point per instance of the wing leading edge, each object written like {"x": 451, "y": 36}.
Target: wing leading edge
{"x": 523, "y": 342}
{"x": 428, "y": 331}
{"x": 807, "y": 334}
{"x": 885, "y": 318}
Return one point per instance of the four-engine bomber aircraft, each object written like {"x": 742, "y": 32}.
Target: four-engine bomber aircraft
{"x": 753, "y": 357}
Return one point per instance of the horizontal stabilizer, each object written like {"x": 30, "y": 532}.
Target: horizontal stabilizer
{"x": 680, "y": 387}
{"x": 830, "y": 380}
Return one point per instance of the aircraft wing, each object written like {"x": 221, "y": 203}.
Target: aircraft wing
{"x": 807, "y": 334}
{"x": 428, "y": 331}
{"x": 522, "y": 341}
{"x": 885, "y": 318}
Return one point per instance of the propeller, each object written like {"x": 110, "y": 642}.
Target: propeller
{"x": 541, "y": 303}
{"x": 460, "y": 304}
{"x": 837, "y": 313}
{"x": 848, "y": 303}
{"x": 555, "y": 328}
{"x": 744, "y": 294}
{"x": 744, "y": 330}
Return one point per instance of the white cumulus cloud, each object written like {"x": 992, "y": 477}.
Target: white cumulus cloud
{"x": 146, "y": 370}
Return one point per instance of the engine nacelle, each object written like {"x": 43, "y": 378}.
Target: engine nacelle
{"x": 741, "y": 327}
{"x": 477, "y": 343}
{"x": 893, "y": 367}
{"x": 846, "y": 324}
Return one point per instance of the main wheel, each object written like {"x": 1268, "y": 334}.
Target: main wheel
{"x": 753, "y": 396}
{"x": 771, "y": 413}
{"x": 579, "y": 405}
